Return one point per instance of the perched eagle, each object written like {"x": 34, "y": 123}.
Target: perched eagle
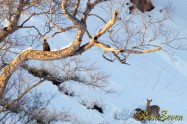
{"x": 46, "y": 46}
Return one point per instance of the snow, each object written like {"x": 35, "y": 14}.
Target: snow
{"x": 54, "y": 50}
{"x": 150, "y": 76}
{"x": 67, "y": 46}
{"x": 29, "y": 48}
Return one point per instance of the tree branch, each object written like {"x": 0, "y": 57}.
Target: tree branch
{"x": 94, "y": 78}
{"x": 98, "y": 17}
{"x": 68, "y": 15}
{"x": 89, "y": 8}
{"x": 30, "y": 54}
{"x": 98, "y": 34}
{"x": 76, "y": 8}
{"x": 21, "y": 96}
{"x": 108, "y": 49}
{"x": 12, "y": 27}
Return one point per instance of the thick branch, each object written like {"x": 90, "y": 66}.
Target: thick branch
{"x": 12, "y": 27}
{"x": 80, "y": 25}
{"x": 32, "y": 54}
{"x": 67, "y": 14}
{"x": 52, "y": 55}
{"x": 108, "y": 49}
{"x": 94, "y": 79}
{"x": 76, "y": 7}
{"x": 98, "y": 34}
{"x": 50, "y": 77}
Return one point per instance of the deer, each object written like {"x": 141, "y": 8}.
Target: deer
{"x": 153, "y": 110}
{"x": 141, "y": 5}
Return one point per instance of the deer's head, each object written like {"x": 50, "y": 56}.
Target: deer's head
{"x": 149, "y": 101}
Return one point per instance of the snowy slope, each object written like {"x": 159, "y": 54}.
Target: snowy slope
{"x": 153, "y": 76}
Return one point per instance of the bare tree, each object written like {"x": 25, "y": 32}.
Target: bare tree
{"x": 22, "y": 97}
{"x": 121, "y": 35}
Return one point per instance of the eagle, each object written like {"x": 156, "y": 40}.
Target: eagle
{"x": 46, "y": 46}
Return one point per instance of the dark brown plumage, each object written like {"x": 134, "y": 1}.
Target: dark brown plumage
{"x": 46, "y": 46}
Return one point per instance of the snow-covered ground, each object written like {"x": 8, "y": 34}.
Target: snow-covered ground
{"x": 153, "y": 76}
